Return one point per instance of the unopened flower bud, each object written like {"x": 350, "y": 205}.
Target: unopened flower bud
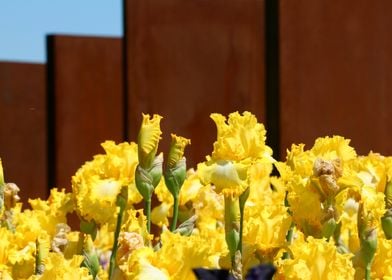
{"x": 175, "y": 172}
{"x": 143, "y": 182}
{"x": 148, "y": 139}
{"x": 156, "y": 170}
{"x": 175, "y": 177}
{"x": 147, "y": 179}
{"x": 91, "y": 260}
{"x": 367, "y": 231}
{"x": 176, "y": 152}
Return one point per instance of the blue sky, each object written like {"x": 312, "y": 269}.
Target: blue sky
{"x": 24, "y": 24}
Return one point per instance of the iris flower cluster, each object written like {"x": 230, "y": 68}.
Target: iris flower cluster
{"x": 144, "y": 214}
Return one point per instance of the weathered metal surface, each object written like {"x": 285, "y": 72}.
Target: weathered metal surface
{"x": 23, "y": 127}
{"x": 336, "y": 72}
{"x": 187, "y": 59}
{"x": 86, "y": 92}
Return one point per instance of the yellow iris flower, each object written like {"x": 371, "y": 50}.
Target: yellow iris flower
{"x": 57, "y": 267}
{"x": 240, "y": 143}
{"x": 382, "y": 265}
{"x": 142, "y": 265}
{"x": 315, "y": 259}
{"x": 327, "y": 187}
{"x": 239, "y": 138}
{"x": 97, "y": 183}
{"x": 313, "y": 176}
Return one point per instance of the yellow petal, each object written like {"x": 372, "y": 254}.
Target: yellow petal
{"x": 177, "y": 148}
{"x": 241, "y": 137}
{"x": 148, "y": 138}
{"x": 228, "y": 178}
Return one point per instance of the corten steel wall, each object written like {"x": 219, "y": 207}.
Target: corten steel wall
{"x": 336, "y": 72}
{"x": 187, "y": 59}
{"x": 86, "y": 101}
{"x": 23, "y": 127}
{"x": 327, "y": 66}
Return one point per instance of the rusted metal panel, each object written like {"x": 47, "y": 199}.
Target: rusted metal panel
{"x": 336, "y": 72}
{"x": 187, "y": 59}
{"x": 86, "y": 95}
{"x": 23, "y": 135}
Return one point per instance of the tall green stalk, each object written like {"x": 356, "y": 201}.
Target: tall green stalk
{"x": 368, "y": 269}
{"x": 290, "y": 232}
{"x": 175, "y": 214}
{"x": 39, "y": 266}
{"x": 242, "y": 200}
{"x": 289, "y": 238}
{"x": 147, "y": 210}
{"x": 122, "y": 203}
{"x": 146, "y": 180}
{"x": 232, "y": 226}
{"x": 175, "y": 172}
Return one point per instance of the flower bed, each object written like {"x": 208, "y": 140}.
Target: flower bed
{"x": 327, "y": 215}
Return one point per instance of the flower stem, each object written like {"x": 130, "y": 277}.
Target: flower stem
{"x": 242, "y": 200}
{"x": 232, "y": 226}
{"x": 367, "y": 272}
{"x": 39, "y": 266}
{"x": 289, "y": 238}
{"x": 147, "y": 209}
{"x": 175, "y": 213}
{"x": 242, "y": 207}
{"x": 290, "y": 232}
{"x": 115, "y": 243}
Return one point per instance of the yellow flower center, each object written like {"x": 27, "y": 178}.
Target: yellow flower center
{"x": 107, "y": 189}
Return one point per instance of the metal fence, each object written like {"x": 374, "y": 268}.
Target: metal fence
{"x": 305, "y": 68}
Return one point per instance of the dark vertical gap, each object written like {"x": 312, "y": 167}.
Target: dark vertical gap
{"x": 125, "y": 73}
{"x": 272, "y": 75}
{"x": 50, "y": 109}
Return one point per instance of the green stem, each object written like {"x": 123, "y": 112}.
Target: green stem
{"x": 38, "y": 259}
{"x": 231, "y": 226}
{"x": 115, "y": 243}
{"x": 242, "y": 200}
{"x": 147, "y": 209}
{"x": 368, "y": 271}
{"x": 242, "y": 208}
{"x": 175, "y": 213}
{"x": 1, "y": 196}
{"x": 289, "y": 238}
